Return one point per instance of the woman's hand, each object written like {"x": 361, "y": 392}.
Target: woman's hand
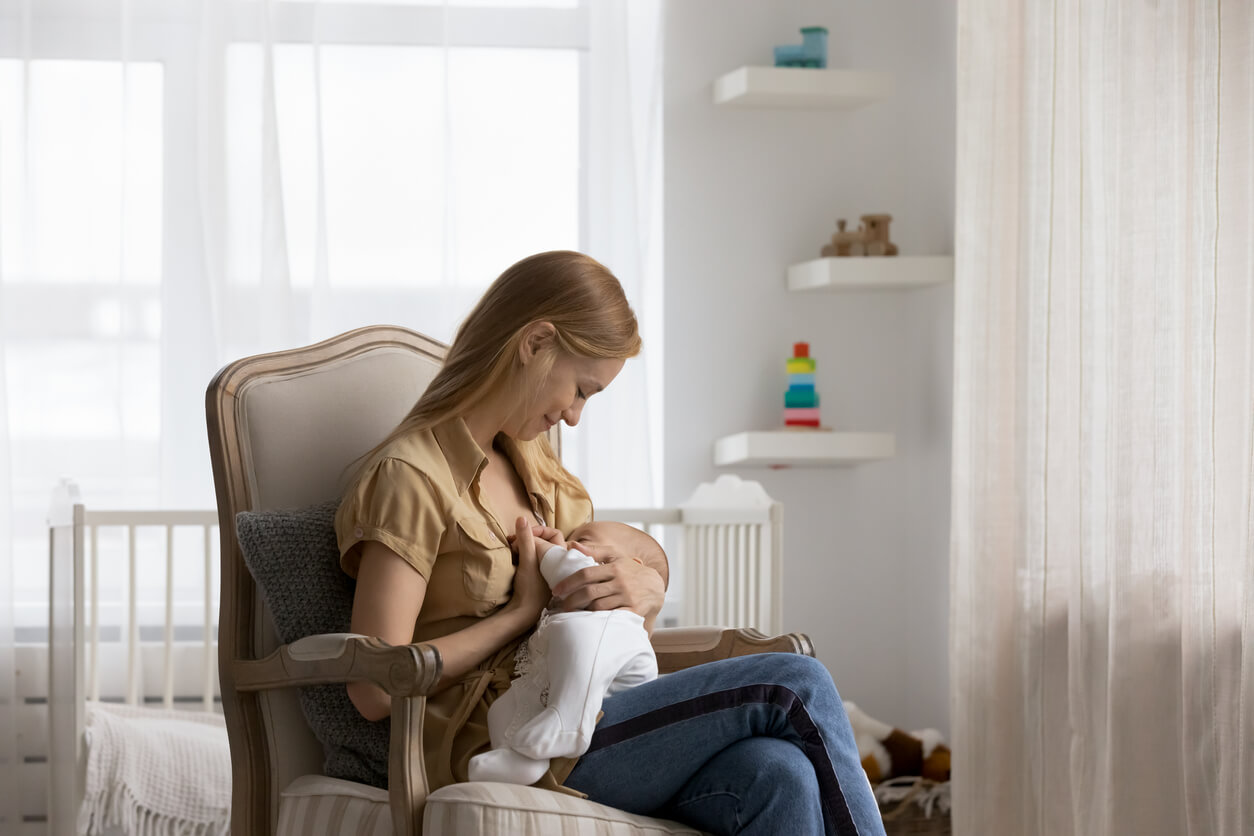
{"x": 531, "y": 593}
{"x": 618, "y": 583}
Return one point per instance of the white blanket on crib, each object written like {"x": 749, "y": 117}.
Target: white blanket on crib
{"x": 155, "y": 772}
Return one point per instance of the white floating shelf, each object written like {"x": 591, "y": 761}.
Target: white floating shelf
{"x": 802, "y": 448}
{"x": 900, "y": 272}
{"x": 798, "y": 87}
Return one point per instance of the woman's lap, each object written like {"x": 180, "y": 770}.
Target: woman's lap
{"x": 654, "y": 738}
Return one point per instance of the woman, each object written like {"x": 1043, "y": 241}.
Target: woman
{"x": 740, "y": 746}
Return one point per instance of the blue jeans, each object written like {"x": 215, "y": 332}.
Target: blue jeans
{"x": 752, "y": 745}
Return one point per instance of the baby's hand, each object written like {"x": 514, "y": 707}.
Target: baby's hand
{"x": 544, "y": 533}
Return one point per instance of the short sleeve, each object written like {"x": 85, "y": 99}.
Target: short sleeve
{"x": 395, "y": 504}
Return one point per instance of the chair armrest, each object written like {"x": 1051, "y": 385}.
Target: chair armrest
{"x": 402, "y": 671}
{"x": 682, "y": 647}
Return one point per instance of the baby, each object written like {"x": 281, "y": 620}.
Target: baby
{"x": 570, "y": 664}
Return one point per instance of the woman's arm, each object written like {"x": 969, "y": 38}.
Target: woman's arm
{"x": 389, "y": 597}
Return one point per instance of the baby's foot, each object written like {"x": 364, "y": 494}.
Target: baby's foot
{"x": 507, "y": 767}
{"x": 547, "y": 733}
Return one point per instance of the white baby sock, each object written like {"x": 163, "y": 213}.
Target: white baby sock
{"x": 507, "y": 766}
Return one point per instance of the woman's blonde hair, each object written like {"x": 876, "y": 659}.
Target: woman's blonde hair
{"x": 590, "y": 315}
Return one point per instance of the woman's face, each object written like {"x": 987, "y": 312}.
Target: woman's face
{"x": 561, "y": 396}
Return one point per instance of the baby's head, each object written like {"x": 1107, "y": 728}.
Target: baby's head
{"x": 603, "y": 539}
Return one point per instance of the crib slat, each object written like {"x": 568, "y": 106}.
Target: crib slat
{"x": 707, "y": 572}
{"x": 750, "y": 576}
{"x": 690, "y": 584}
{"x": 711, "y": 560}
{"x": 724, "y": 577}
{"x": 697, "y": 593}
{"x": 754, "y": 573}
{"x": 132, "y": 621}
{"x": 93, "y": 643}
{"x": 752, "y": 615}
{"x": 168, "y": 689}
{"x": 747, "y": 587}
{"x": 740, "y": 590}
{"x": 776, "y": 569}
{"x": 718, "y": 574}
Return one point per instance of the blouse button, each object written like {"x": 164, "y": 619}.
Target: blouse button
{"x": 357, "y": 532}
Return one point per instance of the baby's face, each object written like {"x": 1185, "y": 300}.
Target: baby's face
{"x": 598, "y": 540}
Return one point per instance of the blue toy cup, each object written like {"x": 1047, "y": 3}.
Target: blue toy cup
{"x": 789, "y": 55}
{"x": 811, "y": 52}
{"x": 814, "y": 46}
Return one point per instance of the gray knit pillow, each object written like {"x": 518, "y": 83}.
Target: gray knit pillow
{"x": 295, "y": 560}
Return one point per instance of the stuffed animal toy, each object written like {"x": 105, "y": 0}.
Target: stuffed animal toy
{"x": 888, "y": 752}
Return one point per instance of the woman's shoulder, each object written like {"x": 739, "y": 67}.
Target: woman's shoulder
{"x": 406, "y": 476}
{"x": 417, "y": 447}
{"x": 414, "y": 457}
{"x": 444, "y": 456}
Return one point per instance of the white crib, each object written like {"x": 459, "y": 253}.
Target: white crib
{"x": 729, "y": 552}
{"x": 85, "y": 663}
{"x": 724, "y": 545}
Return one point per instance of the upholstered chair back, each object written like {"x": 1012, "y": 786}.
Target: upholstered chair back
{"x": 285, "y": 431}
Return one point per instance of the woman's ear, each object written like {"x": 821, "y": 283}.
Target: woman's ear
{"x": 538, "y": 337}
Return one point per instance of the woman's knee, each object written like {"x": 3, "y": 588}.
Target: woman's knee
{"x": 781, "y": 763}
{"x": 782, "y": 787}
{"x": 804, "y": 675}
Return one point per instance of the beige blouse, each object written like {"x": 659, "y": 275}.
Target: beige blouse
{"x": 421, "y": 498}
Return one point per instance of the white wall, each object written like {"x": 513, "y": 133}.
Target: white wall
{"x": 749, "y": 192}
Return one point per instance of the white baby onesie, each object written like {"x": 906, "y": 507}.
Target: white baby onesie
{"x": 575, "y": 660}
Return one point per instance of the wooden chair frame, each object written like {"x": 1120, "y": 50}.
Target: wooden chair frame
{"x": 408, "y": 673}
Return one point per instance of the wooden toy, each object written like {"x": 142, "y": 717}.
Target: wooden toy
{"x": 875, "y": 235}
{"x": 871, "y": 238}
{"x": 844, "y": 242}
{"x": 801, "y": 401}
{"x": 811, "y": 52}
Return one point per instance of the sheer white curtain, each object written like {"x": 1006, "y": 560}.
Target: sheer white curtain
{"x": 183, "y": 182}
{"x": 10, "y": 758}
{"x": 625, "y": 161}
{"x": 1102, "y": 644}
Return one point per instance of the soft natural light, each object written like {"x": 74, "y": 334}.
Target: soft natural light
{"x": 410, "y": 201}
{"x": 410, "y": 176}
{"x": 82, "y": 241}
{"x": 61, "y": 205}
{"x": 497, "y": 4}
{"x": 515, "y": 157}
{"x": 188, "y": 183}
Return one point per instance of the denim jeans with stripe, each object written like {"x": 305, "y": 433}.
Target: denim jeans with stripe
{"x": 752, "y": 745}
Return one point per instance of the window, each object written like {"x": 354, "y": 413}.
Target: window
{"x": 253, "y": 175}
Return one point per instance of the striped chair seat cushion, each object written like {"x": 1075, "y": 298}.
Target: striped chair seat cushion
{"x": 487, "y": 808}
{"x": 313, "y": 805}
